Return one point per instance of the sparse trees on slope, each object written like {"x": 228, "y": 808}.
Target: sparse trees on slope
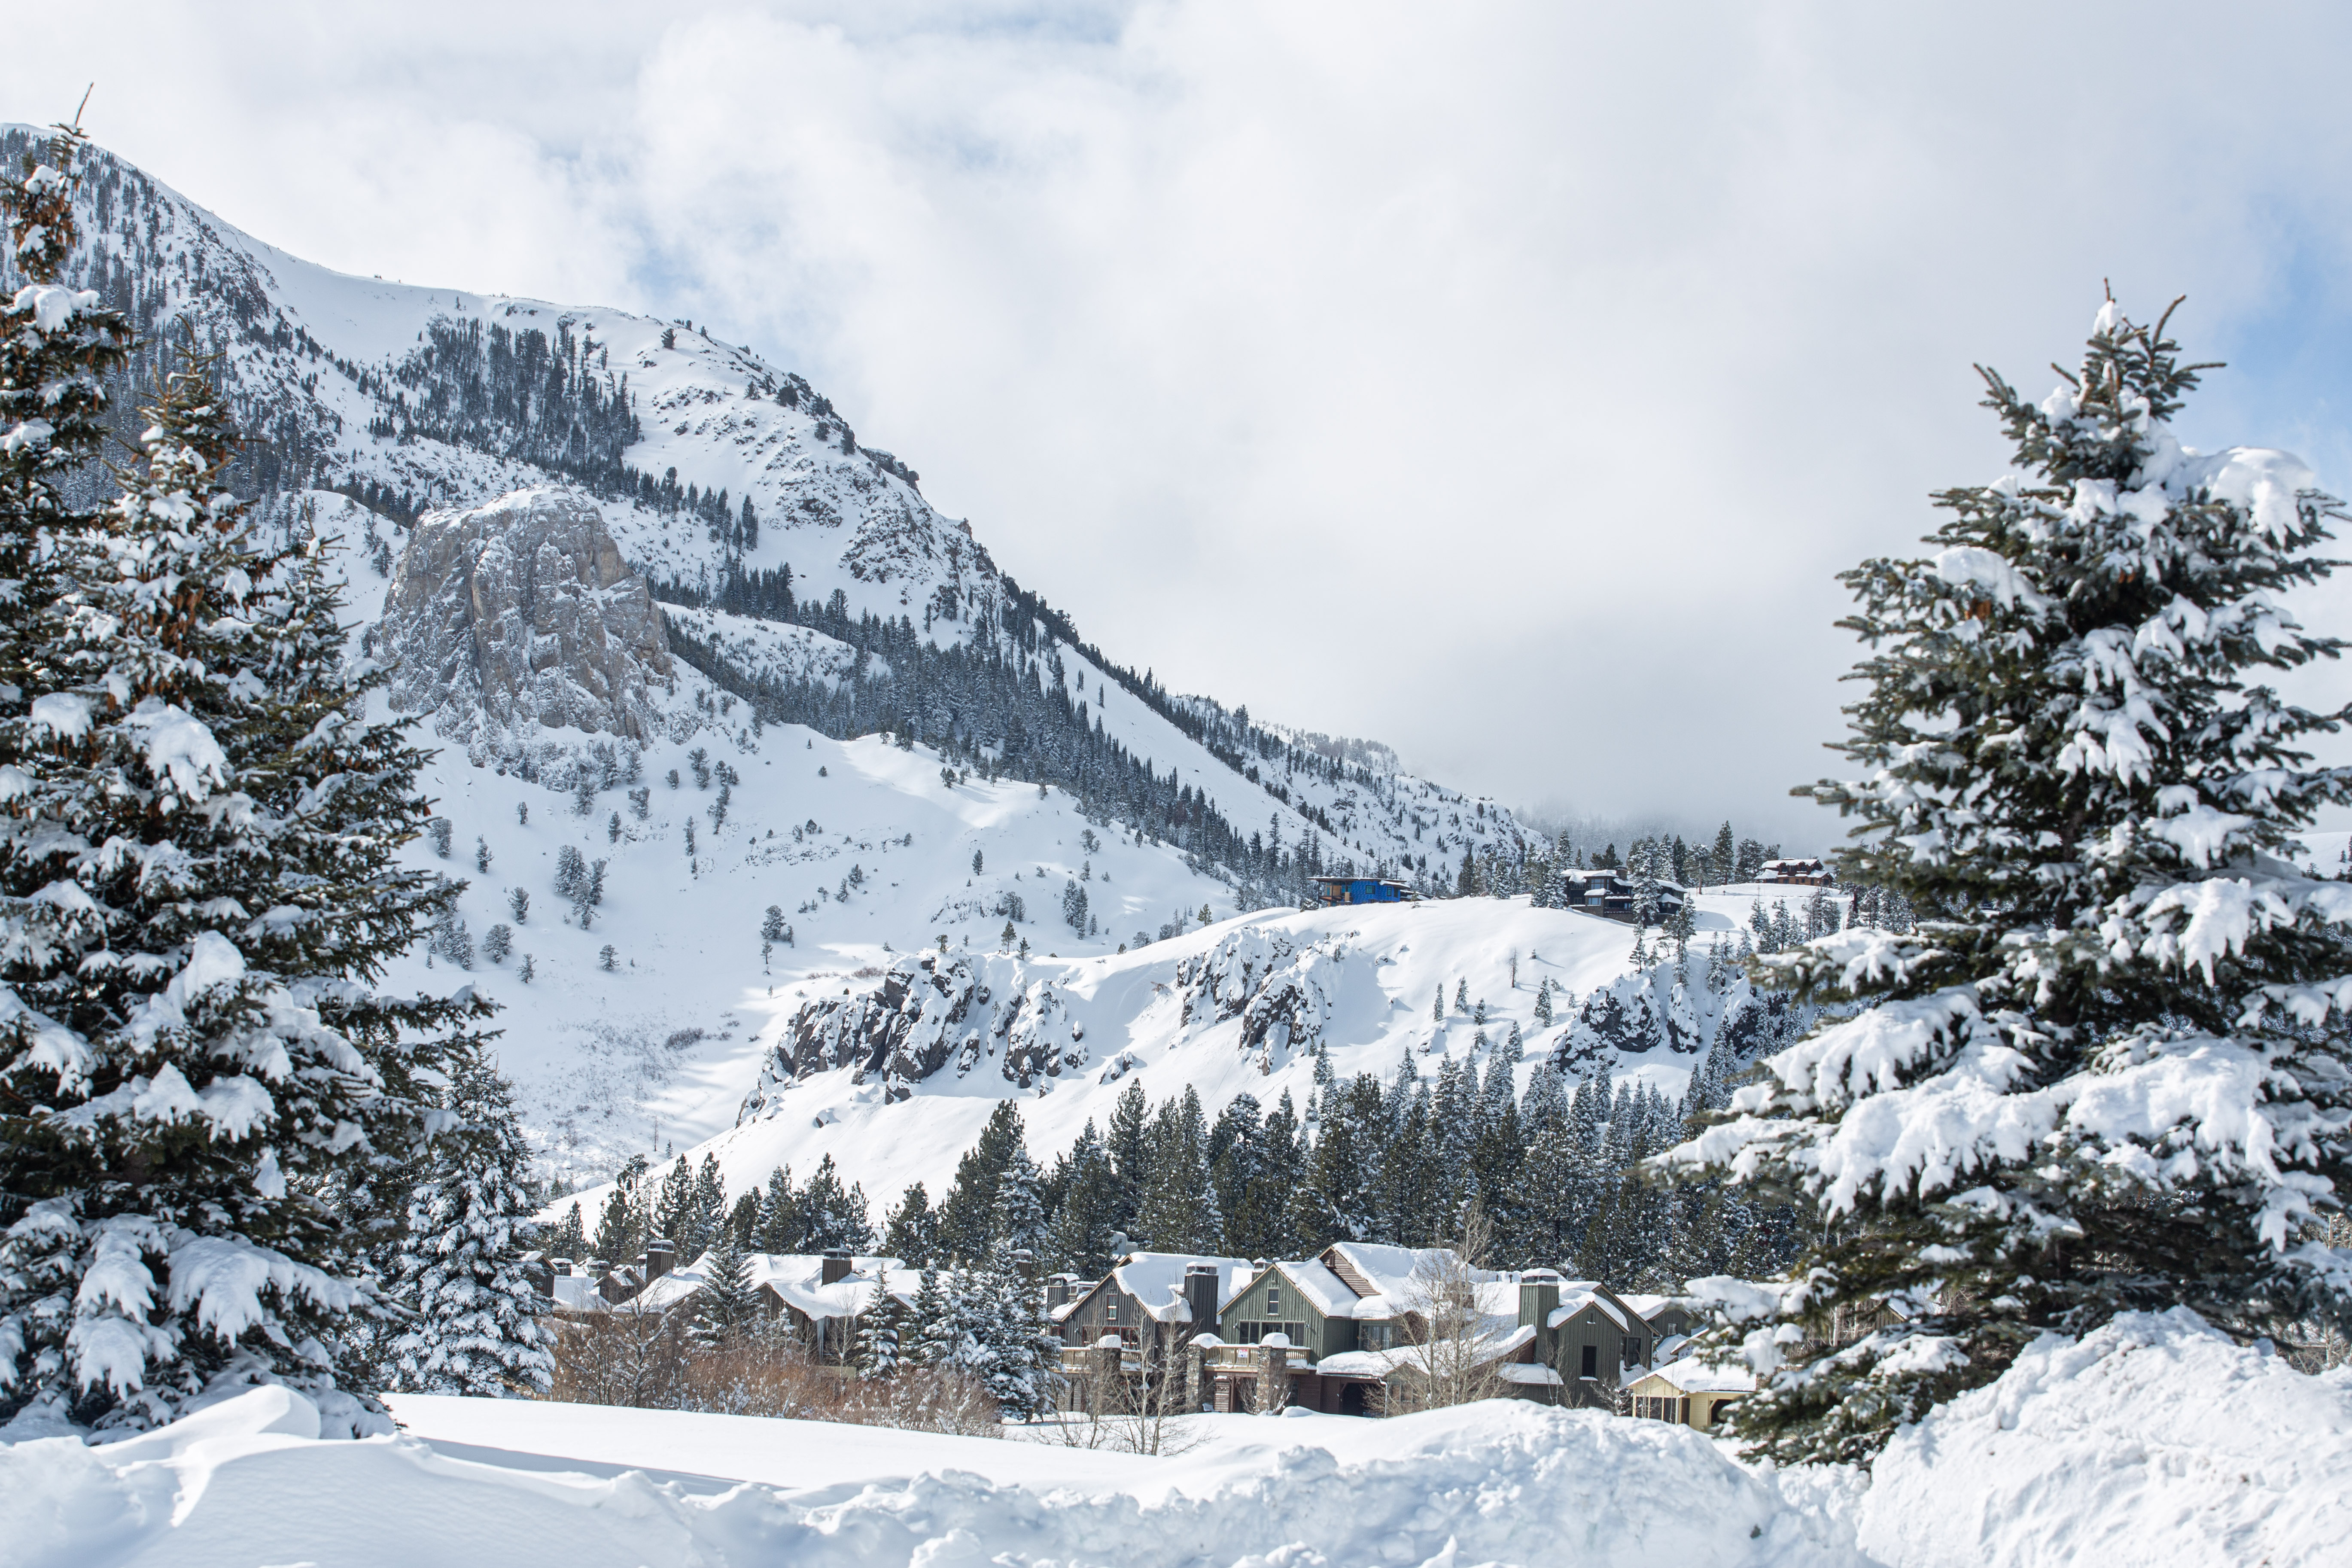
{"x": 2108, "y": 1070}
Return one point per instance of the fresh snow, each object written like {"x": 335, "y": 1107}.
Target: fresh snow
{"x": 2153, "y": 1441}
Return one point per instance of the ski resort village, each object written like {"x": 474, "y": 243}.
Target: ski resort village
{"x": 587, "y": 978}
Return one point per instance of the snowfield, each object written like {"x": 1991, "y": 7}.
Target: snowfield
{"x": 2153, "y": 1441}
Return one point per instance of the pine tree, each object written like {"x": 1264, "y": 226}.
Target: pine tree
{"x": 784, "y": 1225}
{"x": 675, "y": 1210}
{"x": 967, "y": 1216}
{"x": 726, "y": 1307}
{"x": 477, "y": 1329}
{"x": 1128, "y": 1144}
{"x": 928, "y": 1340}
{"x": 186, "y": 749}
{"x": 1543, "y": 1003}
{"x": 909, "y": 1232}
{"x": 837, "y": 1218}
{"x": 2068, "y": 757}
{"x": 878, "y": 1331}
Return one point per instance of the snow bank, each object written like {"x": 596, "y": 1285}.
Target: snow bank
{"x": 2153, "y": 1440}
{"x": 246, "y": 1482}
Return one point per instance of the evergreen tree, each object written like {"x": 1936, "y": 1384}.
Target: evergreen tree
{"x": 1087, "y": 1214}
{"x": 1020, "y": 1227}
{"x": 569, "y": 1240}
{"x": 836, "y": 1218}
{"x": 709, "y": 1209}
{"x": 726, "y": 1307}
{"x": 967, "y": 1216}
{"x": 1179, "y": 1212}
{"x": 932, "y": 1342}
{"x": 477, "y": 1329}
{"x": 1338, "y": 1202}
{"x": 879, "y": 1328}
{"x": 2119, "y": 1018}
{"x": 784, "y": 1225}
{"x": 186, "y": 749}
{"x": 1128, "y": 1145}
{"x": 1543, "y": 1003}
{"x": 909, "y": 1231}
{"x": 678, "y": 1209}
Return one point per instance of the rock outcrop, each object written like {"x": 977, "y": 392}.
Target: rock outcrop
{"x": 522, "y": 610}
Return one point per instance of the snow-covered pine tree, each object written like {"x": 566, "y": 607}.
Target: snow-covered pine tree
{"x": 878, "y": 1327}
{"x": 217, "y": 1115}
{"x": 2108, "y": 1071}
{"x": 476, "y": 1326}
{"x": 926, "y": 1340}
{"x": 726, "y": 1307}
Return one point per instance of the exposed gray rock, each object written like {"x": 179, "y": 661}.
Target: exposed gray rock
{"x": 522, "y": 609}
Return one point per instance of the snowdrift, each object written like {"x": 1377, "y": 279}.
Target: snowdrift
{"x": 248, "y": 1482}
{"x": 2154, "y": 1441}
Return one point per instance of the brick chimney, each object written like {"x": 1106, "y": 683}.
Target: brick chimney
{"x": 835, "y": 1268}
{"x": 1200, "y": 1295}
{"x": 661, "y": 1256}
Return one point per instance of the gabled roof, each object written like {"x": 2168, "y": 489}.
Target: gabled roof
{"x": 1380, "y": 1277}
{"x": 1156, "y": 1281}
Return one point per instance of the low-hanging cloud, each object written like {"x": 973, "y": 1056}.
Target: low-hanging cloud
{"x": 1504, "y": 382}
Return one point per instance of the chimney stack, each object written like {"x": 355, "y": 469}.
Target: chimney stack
{"x": 1200, "y": 1295}
{"x": 836, "y": 1266}
{"x": 661, "y": 1256}
{"x": 1538, "y": 1298}
{"x": 1057, "y": 1290}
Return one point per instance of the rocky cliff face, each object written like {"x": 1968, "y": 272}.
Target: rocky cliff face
{"x": 522, "y": 611}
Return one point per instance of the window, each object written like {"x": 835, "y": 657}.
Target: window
{"x": 1632, "y": 1354}
{"x": 1375, "y": 1336}
{"x": 1110, "y": 1310}
{"x": 1590, "y": 1364}
{"x": 1272, "y": 1302}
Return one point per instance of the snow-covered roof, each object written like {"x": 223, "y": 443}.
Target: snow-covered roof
{"x": 1327, "y": 1291}
{"x": 796, "y": 1279}
{"x": 1532, "y": 1373}
{"x": 1693, "y": 1375}
{"x": 1576, "y": 1298}
{"x": 1389, "y": 1271}
{"x": 1496, "y": 1339}
{"x": 576, "y": 1293}
{"x": 1155, "y": 1280}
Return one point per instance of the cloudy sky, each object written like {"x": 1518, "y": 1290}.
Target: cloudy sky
{"x": 1504, "y": 382}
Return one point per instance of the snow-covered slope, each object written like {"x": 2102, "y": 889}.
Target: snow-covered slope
{"x": 422, "y": 397}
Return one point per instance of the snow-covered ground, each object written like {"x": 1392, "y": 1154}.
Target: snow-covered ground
{"x": 2152, "y": 1444}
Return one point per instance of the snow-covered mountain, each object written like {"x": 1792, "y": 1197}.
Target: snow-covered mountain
{"x": 703, "y": 665}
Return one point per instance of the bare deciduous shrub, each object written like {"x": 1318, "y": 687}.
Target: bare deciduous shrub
{"x": 647, "y": 1361}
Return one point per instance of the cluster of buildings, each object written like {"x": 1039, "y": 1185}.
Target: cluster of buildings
{"x": 1351, "y": 1331}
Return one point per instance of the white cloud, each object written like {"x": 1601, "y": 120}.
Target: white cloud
{"x": 1504, "y": 382}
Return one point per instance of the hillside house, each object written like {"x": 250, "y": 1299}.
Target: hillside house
{"x": 1610, "y": 894}
{"x": 1796, "y": 873}
{"x": 1329, "y": 890}
{"x": 1690, "y": 1393}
